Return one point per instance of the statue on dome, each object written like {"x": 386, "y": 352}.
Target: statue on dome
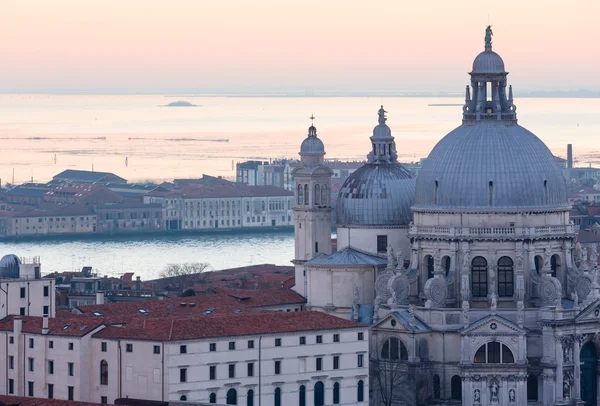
{"x": 381, "y": 114}
{"x": 488, "y": 36}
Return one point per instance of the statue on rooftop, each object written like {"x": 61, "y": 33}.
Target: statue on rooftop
{"x": 381, "y": 114}
{"x": 488, "y": 36}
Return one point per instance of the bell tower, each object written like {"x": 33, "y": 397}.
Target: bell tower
{"x": 312, "y": 208}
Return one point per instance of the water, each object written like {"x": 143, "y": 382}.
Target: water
{"x": 162, "y": 143}
{"x": 148, "y": 255}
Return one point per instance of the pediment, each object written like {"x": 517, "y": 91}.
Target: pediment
{"x": 492, "y": 324}
{"x": 589, "y": 313}
{"x": 400, "y": 320}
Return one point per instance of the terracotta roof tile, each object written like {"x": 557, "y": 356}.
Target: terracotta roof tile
{"x": 70, "y": 326}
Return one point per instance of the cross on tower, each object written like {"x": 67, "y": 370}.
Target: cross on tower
{"x": 312, "y": 119}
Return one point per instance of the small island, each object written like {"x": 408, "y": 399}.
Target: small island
{"x": 181, "y": 104}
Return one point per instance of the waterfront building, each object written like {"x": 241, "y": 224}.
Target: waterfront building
{"x": 486, "y": 298}
{"x": 261, "y": 173}
{"x": 129, "y": 217}
{"x": 48, "y": 220}
{"x": 77, "y": 176}
{"x": 22, "y": 290}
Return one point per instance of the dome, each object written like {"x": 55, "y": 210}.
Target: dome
{"x": 312, "y": 145}
{"x": 376, "y": 195}
{"x": 10, "y": 261}
{"x": 488, "y": 62}
{"x": 490, "y": 164}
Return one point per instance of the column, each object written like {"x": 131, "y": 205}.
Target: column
{"x": 577, "y": 339}
{"x": 559, "y": 370}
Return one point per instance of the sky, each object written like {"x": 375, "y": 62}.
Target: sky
{"x": 172, "y": 46}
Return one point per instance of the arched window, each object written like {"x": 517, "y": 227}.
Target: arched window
{"x": 103, "y": 372}
{"x": 435, "y": 192}
{"x": 505, "y": 277}
{"x": 446, "y": 262}
{"x": 212, "y": 398}
{"x": 317, "y": 194}
{"x": 302, "y": 396}
{"x": 231, "y": 397}
{"x": 319, "y": 394}
{"x": 336, "y": 393}
{"x": 532, "y": 388}
{"x": 554, "y": 264}
{"x": 436, "y": 386}
{"x": 430, "y": 268}
{"x": 360, "y": 391}
{"x": 250, "y": 398}
{"x": 456, "y": 388}
{"x": 479, "y": 277}
{"x": 324, "y": 196}
{"x": 300, "y": 197}
{"x": 183, "y": 397}
{"x": 306, "y": 195}
{"x": 494, "y": 353}
{"x": 277, "y": 397}
{"x": 491, "y": 193}
{"x": 394, "y": 349}
{"x": 538, "y": 261}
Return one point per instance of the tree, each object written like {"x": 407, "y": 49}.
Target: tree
{"x": 397, "y": 382}
{"x": 184, "y": 275}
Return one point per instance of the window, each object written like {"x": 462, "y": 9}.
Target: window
{"x": 22, "y": 293}
{"x": 456, "y": 388}
{"x": 31, "y": 343}
{"x": 319, "y": 339}
{"x": 479, "y": 277}
{"x": 277, "y": 397}
{"x": 361, "y": 336}
{"x": 317, "y": 194}
{"x": 71, "y": 346}
{"x": 50, "y": 344}
{"x": 212, "y": 398}
{"x": 30, "y": 388}
{"x": 50, "y": 367}
{"x": 277, "y": 367}
{"x": 360, "y": 360}
{"x": 250, "y": 368}
{"x": 213, "y": 347}
{"x": 11, "y": 386}
{"x": 30, "y": 362}
{"x": 129, "y": 348}
{"x": 157, "y": 349}
{"x": 316, "y": 247}
{"x": 394, "y": 349}
{"x": 302, "y": 340}
{"x": 232, "y": 345}
{"x": 104, "y": 400}
{"x": 232, "y": 370}
{"x": 46, "y": 310}
{"x": 360, "y": 391}
{"x": 183, "y": 397}
{"x": 103, "y": 346}
{"x": 300, "y": 194}
{"x": 213, "y": 372}
{"x": 71, "y": 390}
{"x": 505, "y": 277}
{"x": 182, "y": 374}
{"x": 336, "y": 362}
{"x": 494, "y": 353}
{"x": 319, "y": 394}
{"x": 532, "y": 388}
{"x": 436, "y": 386}
{"x": 306, "y": 195}
{"x": 319, "y": 366}
{"x": 250, "y": 343}
{"x": 103, "y": 372}
{"x": 382, "y": 243}
{"x": 183, "y": 349}
{"x": 324, "y": 198}
{"x": 430, "y": 267}
{"x": 71, "y": 368}
{"x": 11, "y": 340}
{"x": 250, "y": 398}
{"x": 302, "y": 396}
{"x": 22, "y": 311}
{"x": 336, "y": 393}
{"x": 278, "y": 342}
{"x": 336, "y": 338}
{"x": 50, "y": 391}
{"x": 231, "y": 398}
{"x": 11, "y": 362}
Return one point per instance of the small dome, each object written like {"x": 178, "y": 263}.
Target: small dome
{"x": 488, "y": 62}
{"x": 376, "y": 195}
{"x": 10, "y": 261}
{"x": 312, "y": 145}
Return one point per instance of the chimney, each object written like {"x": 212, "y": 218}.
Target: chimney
{"x": 99, "y": 298}
{"x": 569, "y": 156}
{"x": 45, "y": 325}
{"x": 138, "y": 283}
{"x": 17, "y": 327}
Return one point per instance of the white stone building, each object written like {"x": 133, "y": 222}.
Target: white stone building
{"x": 484, "y": 297}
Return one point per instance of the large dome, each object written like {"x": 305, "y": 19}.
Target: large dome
{"x": 490, "y": 164}
{"x": 376, "y": 195}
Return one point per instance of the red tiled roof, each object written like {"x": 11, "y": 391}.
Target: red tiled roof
{"x": 76, "y": 326}
{"x": 587, "y": 237}
{"x": 19, "y": 401}
{"x": 230, "y": 325}
{"x": 231, "y": 190}
{"x": 265, "y": 297}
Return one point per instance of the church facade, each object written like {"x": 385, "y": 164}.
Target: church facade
{"x": 470, "y": 274}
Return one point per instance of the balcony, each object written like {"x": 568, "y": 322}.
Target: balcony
{"x": 493, "y": 232}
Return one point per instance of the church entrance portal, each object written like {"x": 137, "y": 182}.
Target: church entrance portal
{"x": 589, "y": 378}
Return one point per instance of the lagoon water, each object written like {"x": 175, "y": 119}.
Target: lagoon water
{"x": 41, "y": 135}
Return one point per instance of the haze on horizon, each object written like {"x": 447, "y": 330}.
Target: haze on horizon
{"x": 187, "y": 46}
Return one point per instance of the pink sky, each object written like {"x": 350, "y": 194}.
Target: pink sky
{"x": 349, "y": 45}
